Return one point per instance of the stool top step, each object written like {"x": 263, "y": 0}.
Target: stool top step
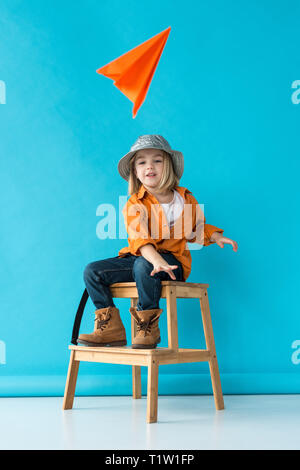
{"x": 122, "y": 350}
{"x": 164, "y": 283}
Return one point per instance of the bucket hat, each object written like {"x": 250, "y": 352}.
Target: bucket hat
{"x": 151, "y": 142}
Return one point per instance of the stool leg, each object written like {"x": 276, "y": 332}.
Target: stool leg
{"x": 136, "y": 382}
{"x": 152, "y": 390}
{"x": 210, "y": 344}
{"x": 136, "y": 370}
{"x": 172, "y": 317}
{"x": 71, "y": 382}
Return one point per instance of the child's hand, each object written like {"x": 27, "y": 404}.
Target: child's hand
{"x": 164, "y": 267}
{"x": 220, "y": 240}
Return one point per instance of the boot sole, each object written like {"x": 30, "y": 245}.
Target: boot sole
{"x": 96, "y": 345}
{"x": 146, "y": 346}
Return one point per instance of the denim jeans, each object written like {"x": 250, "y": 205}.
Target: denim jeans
{"x": 98, "y": 275}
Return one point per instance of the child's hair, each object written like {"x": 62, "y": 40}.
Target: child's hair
{"x": 168, "y": 181}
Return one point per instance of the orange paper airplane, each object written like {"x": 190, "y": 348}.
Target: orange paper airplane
{"x": 132, "y": 72}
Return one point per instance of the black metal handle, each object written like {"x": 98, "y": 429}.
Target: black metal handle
{"x": 78, "y": 317}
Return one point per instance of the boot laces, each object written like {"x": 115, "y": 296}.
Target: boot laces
{"x": 102, "y": 323}
{"x": 145, "y": 325}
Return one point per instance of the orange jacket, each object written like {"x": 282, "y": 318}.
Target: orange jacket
{"x": 145, "y": 222}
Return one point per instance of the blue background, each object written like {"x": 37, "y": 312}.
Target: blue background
{"x": 221, "y": 94}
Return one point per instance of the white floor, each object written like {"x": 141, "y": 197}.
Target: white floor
{"x": 184, "y": 422}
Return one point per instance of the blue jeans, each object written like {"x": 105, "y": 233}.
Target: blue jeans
{"x": 98, "y": 275}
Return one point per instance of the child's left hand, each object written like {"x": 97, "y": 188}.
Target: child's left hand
{"x": 218, "y": 238}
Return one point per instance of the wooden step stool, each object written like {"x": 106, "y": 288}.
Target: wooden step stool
{"x": 152, "y": 358}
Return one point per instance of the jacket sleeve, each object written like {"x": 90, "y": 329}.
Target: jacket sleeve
{"x": 136, "y": 223}
{"x": 201, "y": 229}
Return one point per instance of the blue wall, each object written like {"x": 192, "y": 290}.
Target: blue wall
{"x": 222, "y": 94}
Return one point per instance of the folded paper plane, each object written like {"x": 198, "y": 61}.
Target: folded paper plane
{"x": 133, "y": 71}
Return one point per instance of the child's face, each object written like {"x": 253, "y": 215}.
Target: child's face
{"x": 148, "y": 167}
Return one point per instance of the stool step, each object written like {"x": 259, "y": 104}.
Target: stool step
{"x": 184, "y": 290}
{"x": 164, "y": 283}
{"x": 141, "y": 357}
{"x": 123, "y": 349}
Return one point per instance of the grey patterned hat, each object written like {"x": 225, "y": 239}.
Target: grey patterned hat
{"x": 150, "y": 142}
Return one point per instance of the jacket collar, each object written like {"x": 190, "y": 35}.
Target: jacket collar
{"x": 143, "y": 190}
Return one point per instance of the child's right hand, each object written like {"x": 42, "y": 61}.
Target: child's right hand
{"x": 168, "y": 268}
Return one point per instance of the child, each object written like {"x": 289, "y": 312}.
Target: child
{"x": 154, "y": 217}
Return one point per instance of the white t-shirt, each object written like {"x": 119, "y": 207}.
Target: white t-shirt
{"x": 174, "y": 208}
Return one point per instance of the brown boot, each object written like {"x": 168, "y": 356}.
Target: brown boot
{"x": 148, "y": 334}
{"x": 109, "y": 329}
